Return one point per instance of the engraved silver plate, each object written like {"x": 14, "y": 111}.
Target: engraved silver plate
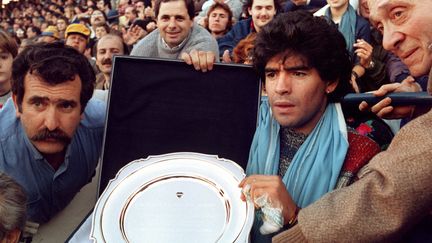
{"x": 179, "y": 197}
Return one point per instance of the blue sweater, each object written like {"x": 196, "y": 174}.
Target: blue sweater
{"x": 238, "y": 32}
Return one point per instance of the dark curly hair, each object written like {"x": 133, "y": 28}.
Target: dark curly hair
{"x": 320, "y": 44}
{"x": 55, "y": 63}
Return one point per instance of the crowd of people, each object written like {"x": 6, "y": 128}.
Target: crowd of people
{"x": 311, "y": 155}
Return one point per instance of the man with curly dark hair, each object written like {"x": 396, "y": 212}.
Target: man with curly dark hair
{"x": 302, "y": 147}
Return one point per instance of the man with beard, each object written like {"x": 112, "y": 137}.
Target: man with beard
{"x": 108, "y": 46}
{"x": 50, "y": 131}
{"x": 261, "y": 12}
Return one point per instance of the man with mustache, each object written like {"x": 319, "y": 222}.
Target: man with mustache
{"x": 394, "y": 194}
{"x": 51, "y": 131}
{"x": 108, "y": 46}
{"x": 261, "y": 12}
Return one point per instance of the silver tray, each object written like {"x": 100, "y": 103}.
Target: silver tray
{"x": 178, "y": 197}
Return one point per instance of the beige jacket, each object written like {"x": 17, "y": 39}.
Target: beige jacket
{"x": 391, "y": 195}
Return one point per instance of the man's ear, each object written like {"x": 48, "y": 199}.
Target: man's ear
{"x": 17, "y": 109}
{"x": 249, "y": 11}
{"x": 331, "y": 86}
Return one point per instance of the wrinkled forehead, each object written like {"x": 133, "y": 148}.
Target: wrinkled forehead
{"x": 379, "y": 8}
{"x": 374, "y": 7}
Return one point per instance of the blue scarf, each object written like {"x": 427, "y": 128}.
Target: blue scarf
{"x": 315, "y": 167}
{"x": 347, "y": 26}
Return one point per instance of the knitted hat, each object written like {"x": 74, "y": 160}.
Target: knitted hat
{"x": 77, "y": 29}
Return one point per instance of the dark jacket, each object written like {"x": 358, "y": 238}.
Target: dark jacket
{"x": 238, "y": 32}
{"x": 312, "y": 6}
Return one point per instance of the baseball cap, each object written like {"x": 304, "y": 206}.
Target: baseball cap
{"x": 51, "y": 31}
{"x": 78, "y": 29}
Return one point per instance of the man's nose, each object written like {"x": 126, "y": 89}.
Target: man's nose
{"x": 107, "y": 55}
{"x": 172, "y": 23}
{"x": 392, "y": 39}
{"x": 283, "y": 83}
{"x": 51, "y": 119}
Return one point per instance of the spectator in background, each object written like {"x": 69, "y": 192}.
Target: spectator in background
{"x": 356, "y": 31}
{"x": 69, "y": 13}
{"x": 104, "y": 6}
{"x": 12, "y": 209}
{"x": 141, "y": 6}
{"x": 77, "y": 36}
{"x": 236, "y": 7}
{"x": 45, "y": 25}
{"x": 243, "y": 52}
{"x": 98, "y": 17}
{"x": 178, "y": 37}
{"x": 49, "y": 35}
{"x": 62, "y": 23}
{"x": 219, "y": 19}
{"x": 131, "y": 14}
{"x": 106, "y": 47}
{"x": 101, "y": 30}
{"x": 8, "y": 51}
{"x": 261, "y": 11}
{"x": 33, "y": 32}
{"x": 122, "y": 5}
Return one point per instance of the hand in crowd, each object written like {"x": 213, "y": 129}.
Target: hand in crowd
{"x": 354, "y": 84}
{"x": 133, "y": 34}
{"x": 151, "y": 26}
{"x": 364, "y": 52}
{"x": 149, "y": 13}
{"x": 384, "y": 109}
{"x": 201, "y": 21}
{"x": 226, "y": 57}
{"x": 275, "y": 190}
{"x": 201, "y": 60}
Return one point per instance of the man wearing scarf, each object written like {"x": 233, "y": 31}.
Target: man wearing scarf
{"x": 394, "y": 194}
{"x": 302, "y": 147}
{"x": 356, "y": 31}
